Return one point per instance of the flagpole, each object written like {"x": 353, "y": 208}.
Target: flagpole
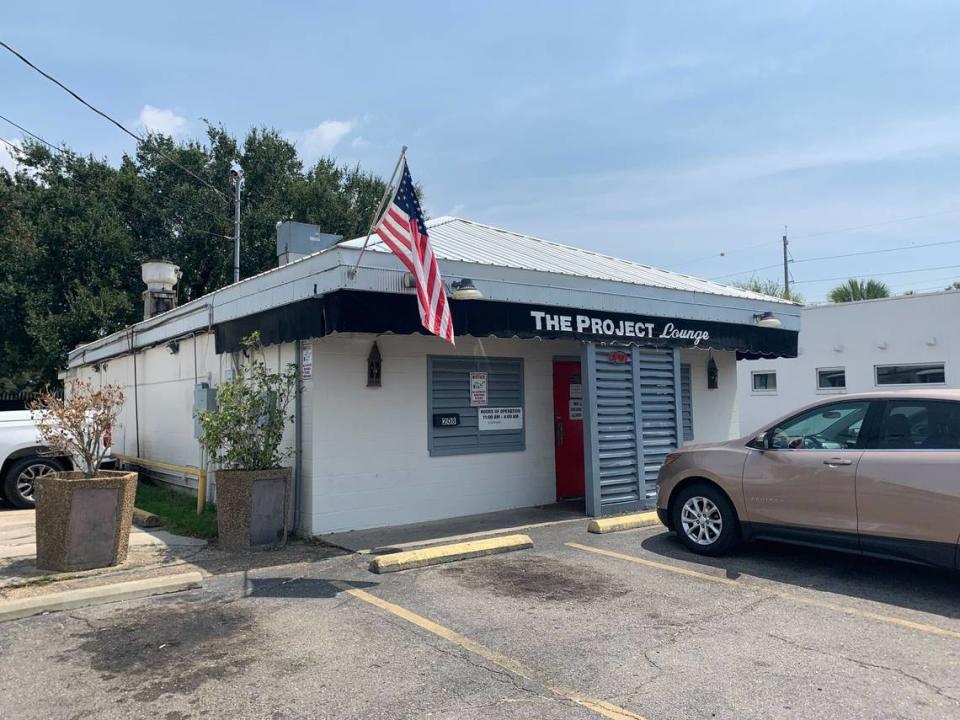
{"x": 376, "y": 215}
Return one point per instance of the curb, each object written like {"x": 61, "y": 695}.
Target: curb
{"x": 623, "y": 522}
{"x": 448, "y": 553}
{"x": 84, "y": 597}
{"x": 144, "y": 519}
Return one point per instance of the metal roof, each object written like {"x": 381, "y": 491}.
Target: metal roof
{"x": 468, "y": 241}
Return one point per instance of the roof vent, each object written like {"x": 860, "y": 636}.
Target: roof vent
{"x": 296, "y": 240}
{"x": 160, "y": 277}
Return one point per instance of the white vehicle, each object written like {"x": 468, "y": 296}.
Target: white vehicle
{"x": 23, "y": 459}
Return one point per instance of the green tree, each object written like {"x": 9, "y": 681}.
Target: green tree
{"x": 854, "y": 289}
{"x": 74, "y": 230}
{"x": 768, "y": 287}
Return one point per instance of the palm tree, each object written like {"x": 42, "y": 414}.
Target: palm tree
{"x": 859, "y": 290}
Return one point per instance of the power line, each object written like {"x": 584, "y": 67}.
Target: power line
{"x": 65, "y": 151}
{"x": 893, "y": 221}
{"x": 880, "y": 274}
{"x": 110, "y": 119}
{"x": 844, "y": 255}
{"x": 878, "y": 224}
{"x": 27, "y": 132}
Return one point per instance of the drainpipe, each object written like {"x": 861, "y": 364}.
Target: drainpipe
{"x": 297, "y": 437}
{"x": 136, "y": 409}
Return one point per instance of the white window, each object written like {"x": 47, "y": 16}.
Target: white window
{"x": 831, "y": 379}
{"x": 764, "y": 382}
{"x": 914, "y": 374}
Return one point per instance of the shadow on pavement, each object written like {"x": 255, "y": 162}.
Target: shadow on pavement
{"x": 914, "y": 587}
{"x": 294, "y": 587}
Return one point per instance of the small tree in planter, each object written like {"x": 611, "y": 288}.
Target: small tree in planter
{"x": 244, "y": 436}
{"x": 83, "y": 515}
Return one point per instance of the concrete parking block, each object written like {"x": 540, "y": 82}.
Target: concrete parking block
{"x": 83, "y": 597}
{"x": 623, "y": 522}
{"x": 448, "y": 553}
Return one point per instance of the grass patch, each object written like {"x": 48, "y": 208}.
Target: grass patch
{"x": 177, "y": 511}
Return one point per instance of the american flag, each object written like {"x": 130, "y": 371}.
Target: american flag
{"x": 403, "y": 230}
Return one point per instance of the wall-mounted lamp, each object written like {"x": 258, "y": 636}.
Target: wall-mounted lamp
{"x": 713, "y": 374}
{"x": 465, "y": 290}
{"x": 173, "y": 347}
{"x": 766, "y": 320}
{"x": 462, "y": 289}
{"x": 374, "y": 366}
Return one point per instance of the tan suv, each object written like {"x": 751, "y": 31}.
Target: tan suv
{"x": 877, "y": 474}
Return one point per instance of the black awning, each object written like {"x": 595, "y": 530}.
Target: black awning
{"x": 372, "y": 312}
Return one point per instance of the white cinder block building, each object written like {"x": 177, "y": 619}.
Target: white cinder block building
{"x": 573, "y": 374}
{"x": 871, "y": 345}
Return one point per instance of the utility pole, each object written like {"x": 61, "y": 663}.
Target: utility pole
{"x": 786, "y": 270}
{"x": 236, "y": 175}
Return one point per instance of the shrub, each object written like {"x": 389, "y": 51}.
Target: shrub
{"x": 79, "y": 424}
{"x": 246, "y": 429}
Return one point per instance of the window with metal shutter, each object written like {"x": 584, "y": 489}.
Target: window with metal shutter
{"x": 686, "y": 402}
{"x": 448, "y": 394}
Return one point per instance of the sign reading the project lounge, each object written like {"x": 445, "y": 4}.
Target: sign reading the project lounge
{"x": 617, "y": 329}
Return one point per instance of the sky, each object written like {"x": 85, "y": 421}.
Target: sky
{"x": 680, "y": 135}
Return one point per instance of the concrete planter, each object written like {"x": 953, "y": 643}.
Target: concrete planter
{"x": 84, "y": 523}
{"x": 252, "y": 508}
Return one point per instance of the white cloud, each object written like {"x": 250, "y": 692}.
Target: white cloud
{"x": 359, "y": 142}
{"x": 321, "y": 139}
{"x": 7, "y": 158}
{"x": 162, "y": 120}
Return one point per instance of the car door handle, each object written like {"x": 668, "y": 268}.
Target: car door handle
{"x": 838, "y": 461}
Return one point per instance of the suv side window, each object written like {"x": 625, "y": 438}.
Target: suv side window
{"x": 919, "y": 425}
{"x": 835, "y": 426}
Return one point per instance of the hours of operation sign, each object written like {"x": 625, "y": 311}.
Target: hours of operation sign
{"x": 499, "y": 418}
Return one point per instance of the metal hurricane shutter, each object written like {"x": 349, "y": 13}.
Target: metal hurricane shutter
{"x": 657, "y": 372}
{"x": 448, "y": 391}
{"x": 614, "y": 463}
{"x": 686, "y": 402}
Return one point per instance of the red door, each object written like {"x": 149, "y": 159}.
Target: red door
{"x": 568, "y": 427}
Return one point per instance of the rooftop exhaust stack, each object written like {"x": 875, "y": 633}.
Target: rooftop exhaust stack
{"x": 296, "y": 240}
{"x": 160, "y": 277}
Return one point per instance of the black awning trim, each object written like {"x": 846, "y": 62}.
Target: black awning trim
{"x": 379, "y": 313}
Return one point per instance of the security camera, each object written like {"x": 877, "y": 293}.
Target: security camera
{"x": 236, "y": 171}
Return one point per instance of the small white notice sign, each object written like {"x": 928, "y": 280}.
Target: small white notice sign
{"x": 499, "y": 418}
{"x": 306, "y": 362}
{"x": 576, "y": 390}
{"x": 478, "y": 389}
{"x": 576, "y": 408}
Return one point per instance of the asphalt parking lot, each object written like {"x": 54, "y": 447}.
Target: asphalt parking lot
{"x": 581, "y": 626}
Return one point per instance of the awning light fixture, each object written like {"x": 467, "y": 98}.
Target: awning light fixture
{"x": 465, "y": 290}
{"x": 766, "y": 320}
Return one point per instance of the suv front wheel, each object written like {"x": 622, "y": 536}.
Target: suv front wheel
{"x": 18, "y": 485}
{"x": 705, "y": 520}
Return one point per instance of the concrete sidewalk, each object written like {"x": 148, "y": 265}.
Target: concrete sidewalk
{"x": 18, "y": 549}
{"x": 18, "y": 536}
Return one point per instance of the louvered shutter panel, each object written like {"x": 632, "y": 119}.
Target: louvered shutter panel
{"x": 686, "y": 402}
{"x": 659, "y": 409}
{"x": 618, "y": 462}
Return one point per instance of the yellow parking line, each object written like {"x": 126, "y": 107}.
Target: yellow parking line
{"x": 889, "y": 619}
{"x": 601, "y": 707}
